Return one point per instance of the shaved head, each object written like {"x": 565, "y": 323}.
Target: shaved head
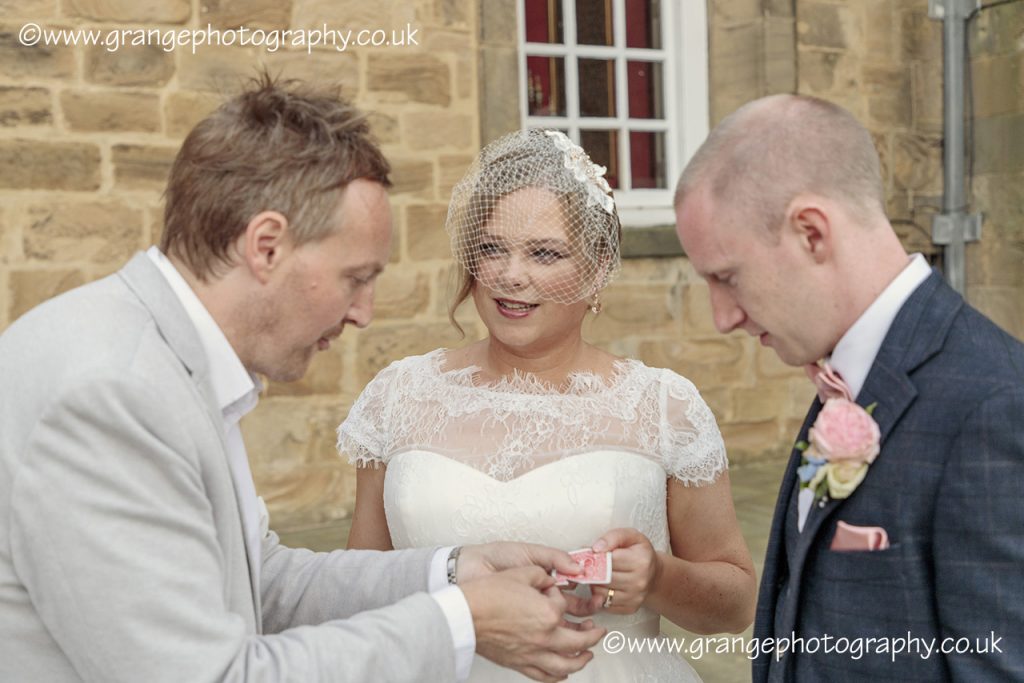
{"x": 770, "y": 150}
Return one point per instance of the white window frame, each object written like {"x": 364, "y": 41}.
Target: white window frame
{"x": 684, "y": 56}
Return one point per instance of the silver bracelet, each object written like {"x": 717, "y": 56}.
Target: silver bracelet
{"x": 453, "y": 565}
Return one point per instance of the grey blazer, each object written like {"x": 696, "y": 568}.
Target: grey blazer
{"x": 946, "y": 486}
{"x": 122, "y": 556}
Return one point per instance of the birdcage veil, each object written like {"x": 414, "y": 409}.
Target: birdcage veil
{"x": 533, "y": 205}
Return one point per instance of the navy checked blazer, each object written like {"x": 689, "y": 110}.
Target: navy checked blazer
{"x": 947, "y": 486}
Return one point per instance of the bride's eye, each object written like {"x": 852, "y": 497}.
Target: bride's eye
{"x": 492, "y": 250}
{"x": 547, "y": 256}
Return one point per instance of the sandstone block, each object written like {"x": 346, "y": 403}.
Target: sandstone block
{"x": 889, "y": 95}
{"x": 424, "y": 130}
{"x": 253, "y": 14}
{"x": 324, "y": 376}
{"x": 28, "y": 9}
{"x": 769, "y": 365}
{"x": 999, "y": 144}
{"x": 1001, "y": 197}
{"x": 413, "y": 177}
{"x": 136, "y": 11}
{"x": 922, "y": 37}
{"x": 98, "y": 231}
{"x": 219, "y": 69}
{"x": 735, "y": 73}
{"x": 452, "y": 12}
{"x": 383, "y": 343}
{"x": 766, "y": 401}
{"x": 424, "y": 228}
{"x": 498, "y": 82}
{"x": 110, "y": 111}
{"x": 708, "y": 363}
{"x": 142, "y": 167}
{"x": 321, "y": 69}
{"x": 39, "y": 61}
{"x": 779, "y": 55}
{"x": 498, "y": 24}
{"x": 283, "y": 433}
{"x": 420, "y": 78}
{"x": 10, "y": 240}
{"x": 25, "y": 107}
{"x": 745, "y": 440}
{"x": 344, "y": 14}
{"x": 927, "y": 96}
{"x": 185, "y": 108}
{"x": 917, "y": 162}
{"x": 697, "y": 317}
{"x": 734, "y": 12}
{"x": 154, "y": 223}
{"x": 29, "y": 288}
{"x": 307, "y": 496}
{"x": 143, "y": 65}
{"x": 31, "y": 164}
{"x": 384, "y": 128}
{"x": 998, "y": 260}
{"x": 998, "y": 85}
{"x": 401, "y": 294}
{"x": 1004, "y": 305}
{"x": 823, "y": 26}
{"x": 880, "y": 30}
{"x": 451, "y": 170}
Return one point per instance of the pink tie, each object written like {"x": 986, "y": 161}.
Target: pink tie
{"x": 830, "y": 384}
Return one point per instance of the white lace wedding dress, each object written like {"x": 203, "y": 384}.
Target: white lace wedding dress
{"x": 521, "y": 461}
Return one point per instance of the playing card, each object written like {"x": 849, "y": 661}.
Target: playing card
{"x": 597, "y": 568}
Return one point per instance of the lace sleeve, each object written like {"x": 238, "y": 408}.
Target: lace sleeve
{"x": 691, "y": 445}
{"x": 363, "y": 436}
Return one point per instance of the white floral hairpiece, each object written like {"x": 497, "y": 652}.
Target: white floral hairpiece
{"x": 584, "y": 170}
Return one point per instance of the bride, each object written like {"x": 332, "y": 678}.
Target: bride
{"x": 532, "y": 434}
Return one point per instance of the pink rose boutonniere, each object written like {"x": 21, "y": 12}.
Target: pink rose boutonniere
{"x": 844, "y": 441}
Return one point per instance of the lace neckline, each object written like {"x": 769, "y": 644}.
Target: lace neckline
{"x": 577, "y": 383}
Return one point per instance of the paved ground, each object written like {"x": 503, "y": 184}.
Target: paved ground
{"x": 754, "y": 487}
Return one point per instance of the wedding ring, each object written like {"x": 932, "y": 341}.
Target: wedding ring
{"x": 608, "y": 599}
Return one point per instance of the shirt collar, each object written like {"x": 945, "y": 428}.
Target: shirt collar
{"x": 235, "y": 389}
{"x": 856, "y": 351}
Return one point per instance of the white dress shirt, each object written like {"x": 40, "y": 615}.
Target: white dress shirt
{"x": 856, "y": 351}
{"x": 236, "y": 391}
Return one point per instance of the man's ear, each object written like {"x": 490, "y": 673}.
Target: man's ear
{"x": 809, "y": 220}
{"x": 265, "y": 243}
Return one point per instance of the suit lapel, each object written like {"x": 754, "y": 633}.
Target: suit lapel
{"x": 149, "y": 285}
{"x": 917, "y": 334}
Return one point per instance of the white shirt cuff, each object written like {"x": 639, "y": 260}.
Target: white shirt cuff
{"x": 456, "y": 611}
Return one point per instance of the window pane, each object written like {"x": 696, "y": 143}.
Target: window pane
{"x": 645, "y": 90}
{"x": 643, "y": 24}
{"x": 543, "y": 21}
{"x": 545, "y": 86}
{"x": 647, "y": 159}
{"x": 597, "y": 87}
{"x": 603, "y": 148}
{"x": 594, "y": 22}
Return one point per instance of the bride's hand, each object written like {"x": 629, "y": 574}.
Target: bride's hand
{"x": 635, "y": 570}
{"x": 476, "y": 561}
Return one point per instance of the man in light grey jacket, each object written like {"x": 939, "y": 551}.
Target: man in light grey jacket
{"x": 132, "y": 544}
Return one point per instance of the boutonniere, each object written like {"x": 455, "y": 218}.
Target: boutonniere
{"x": 844, "y": 441}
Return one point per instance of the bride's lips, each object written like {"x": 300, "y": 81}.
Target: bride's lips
{"x": 514, "y": 310}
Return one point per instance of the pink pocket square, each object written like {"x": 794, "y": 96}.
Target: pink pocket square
{"x": 850, "y": 537}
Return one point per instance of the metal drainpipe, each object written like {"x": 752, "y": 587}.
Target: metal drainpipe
{"x": 954, "y": 226}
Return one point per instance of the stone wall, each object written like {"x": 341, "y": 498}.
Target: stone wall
{"x": 86, "y": 136}
{"x": 995, "y": 265}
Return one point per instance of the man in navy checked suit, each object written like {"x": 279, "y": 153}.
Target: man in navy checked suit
{"x": 781, "y": 211}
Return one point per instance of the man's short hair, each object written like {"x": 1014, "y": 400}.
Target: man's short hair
{"x": 767, "y": 152}
{"x": 277, "y": 146}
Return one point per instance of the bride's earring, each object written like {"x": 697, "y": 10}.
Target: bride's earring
{"x": 595, "y": 304}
